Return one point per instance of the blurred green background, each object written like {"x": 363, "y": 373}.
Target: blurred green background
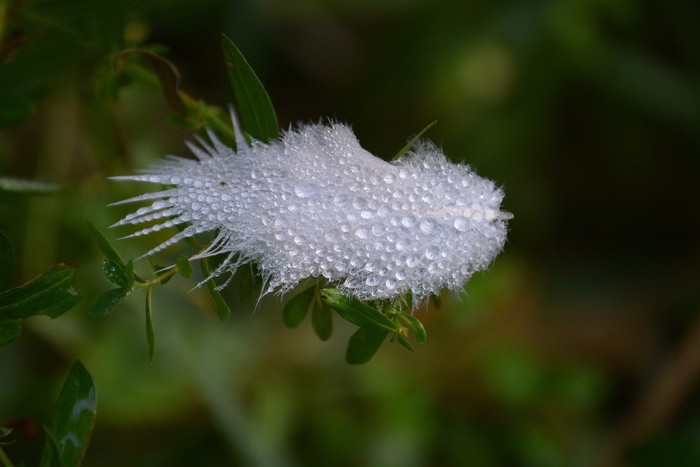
{"x": 580, "y": 346}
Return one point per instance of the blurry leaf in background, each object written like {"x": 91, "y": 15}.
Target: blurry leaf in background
{"x": 68, "y": 434}
{"x": 29, "y": 187}
{"x": 50, "y": 294}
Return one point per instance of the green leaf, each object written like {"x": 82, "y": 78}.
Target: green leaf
{"x": 252, "y": 102}
{"x": 403, "y": 341}
{"x": 106, "y": 302}
{"x": 104, "y": 245}
{"x": 363, "y": 345}
{"x": 5, "y": 432}
{"x": 296, "y": 308}
{"x": 50, "y": 294}
{"x": 14, "y": 108}
{"x": 115, "y": 272}
{"x": 129, "y": 272}
{"x": 222, "y": 309}
{"x": 321, "y": 320}
{"x": 410, "y": 144}
{"x": 415, "y": 326}
{"x": 29, "y": 187}
{"x": 150, "y": 333}
{"x": 184, "y": 267}
{"x": 357, "y": 312}
{"x": 7, "y": 262}
{"x": 73, "y": 420}
{"x": 10, "y": 330}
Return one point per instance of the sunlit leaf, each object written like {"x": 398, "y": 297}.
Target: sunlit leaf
{"x": 106, "y": 302}
{"x": 252, "y": 101}
{"x": 321, "y": 320}
{"x": 357, "y": 312}
{"x": 363, "y": 345}
{"x": 73, "y": 420}
{"x": 297, "y": 307}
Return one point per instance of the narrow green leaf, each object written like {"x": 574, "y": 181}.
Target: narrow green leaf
{"x": 115, "y": 272}
{"x": 7, "y": 262}
{"x": 73, "y": 420}
{"x": 184, "y": 267}
{"x": 363, "y": 345}
{"x": 50, "y": 294}
{"x": 321, "y": 320}
{"x": 10, "y": 330}
{"x": 296, "y": 308}
{"x": 5, "y": 431}
{"x": 150, "y": 333}
{"x": 357, "y": 312}
{"x": 415, "y": 326}
{"x": 106, "y": 302}
{"x": 129, "y": 272}
{"x": 222, "y": 309}
{"x": 403, "y": 341}
{"x": 252, "y": 101}
{"x": 29, "y": 187}
{"x": 410, "y": 144}
{"x": 104, "y": 245}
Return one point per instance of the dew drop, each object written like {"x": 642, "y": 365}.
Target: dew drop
{"x": 408, "y": 221}
{"x": 362, "y": 233}
{"x": 304, "y": 191}
{"x": 359, "y": 203}
{"x": 432, "y": 252}
{"x": 341, "y": 199}
{"x": 461, "y": 223}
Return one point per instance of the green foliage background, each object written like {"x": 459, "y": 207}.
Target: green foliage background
{"x": 581, "y": 345}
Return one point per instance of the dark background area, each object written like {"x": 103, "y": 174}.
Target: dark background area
{"x": 580, "y": 346}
